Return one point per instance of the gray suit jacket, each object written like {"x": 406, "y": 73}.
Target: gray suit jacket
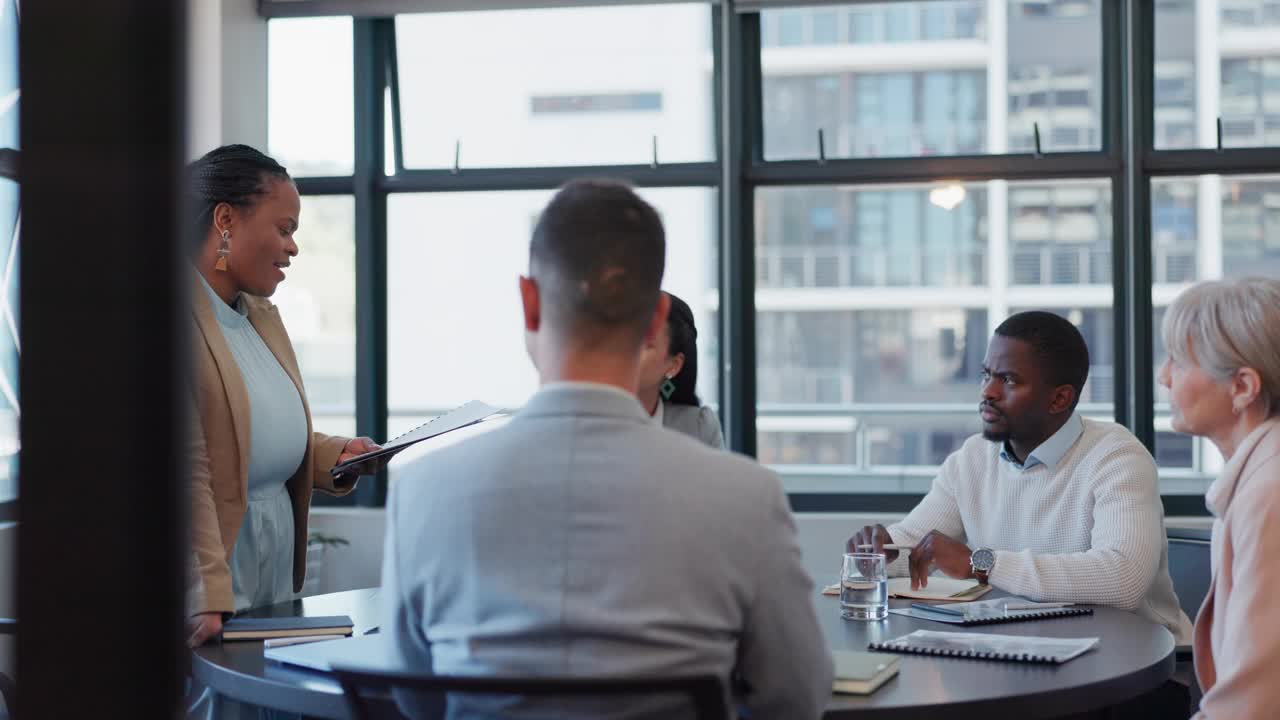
{"x": 581, "y": 540}
{"x": 699, "y": 422}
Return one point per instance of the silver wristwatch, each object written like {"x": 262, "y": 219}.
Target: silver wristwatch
{"x": 982, "y": 561}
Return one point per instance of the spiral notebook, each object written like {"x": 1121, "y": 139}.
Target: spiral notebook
{"x": 988, "y": 612}
{"x": 460, "y": 417}
{"x": 980, "y": 646}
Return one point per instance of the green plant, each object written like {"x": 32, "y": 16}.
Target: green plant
{"x": 315, "y": 537}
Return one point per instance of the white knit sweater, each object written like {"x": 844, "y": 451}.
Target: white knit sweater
{"x": 1090, "y": 529}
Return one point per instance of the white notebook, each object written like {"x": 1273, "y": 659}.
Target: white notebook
{"x": 369, "y": 651}
{"x": 984, "y": 646}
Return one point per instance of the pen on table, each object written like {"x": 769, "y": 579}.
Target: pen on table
{"x": 298, "y": 640}
{"x": 1036, "y": 606}
{"x": 938, "y": 609}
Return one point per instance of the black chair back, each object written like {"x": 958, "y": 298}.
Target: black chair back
{"x": 1189, "y": 567}
{"x": 8, "y": 689}
{"x": 705, "y": 691}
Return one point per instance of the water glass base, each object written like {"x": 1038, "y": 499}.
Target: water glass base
{"x": 868, "y": 613}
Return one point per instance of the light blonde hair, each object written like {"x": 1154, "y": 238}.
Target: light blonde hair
{"x": 1222, "y": 326}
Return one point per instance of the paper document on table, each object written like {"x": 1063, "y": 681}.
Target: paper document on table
{"x": 986, "y": 612}
{"x": 941, "y": 588}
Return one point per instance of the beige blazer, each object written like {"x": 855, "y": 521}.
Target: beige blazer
{"x": 219, "y": 452}
{"x": 1237, "y": 636}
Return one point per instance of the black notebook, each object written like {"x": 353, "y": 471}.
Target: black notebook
{"x": 263, "y": 628}
{"x": 989, "y": 612}
{"x": 981, "y": 646}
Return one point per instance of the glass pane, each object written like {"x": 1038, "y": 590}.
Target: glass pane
{"x": 318, "y": 306}
{"x": 874, "y": 306}
{"x": 1217, "y": 59}
{"x": 1060, "y": 234}
{"x": 9, "y": 231}
{"x": 310, "y": 95}
{"x": 465, "y": 250}
{"x": 916, "y": 78}
{"x": 562, "y": 86}
{"x": 1204, "y": 228}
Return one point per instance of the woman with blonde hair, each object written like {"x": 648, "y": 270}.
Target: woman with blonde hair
{"x": 1223, "y": 375}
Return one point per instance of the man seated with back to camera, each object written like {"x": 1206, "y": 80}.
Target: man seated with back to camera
{"x": 1043, "y": 504}
{"x": 581, "y": 539}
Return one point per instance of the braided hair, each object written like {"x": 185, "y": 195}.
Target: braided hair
{"x": 233, "y": 174}
{"x": 684, "y": 339}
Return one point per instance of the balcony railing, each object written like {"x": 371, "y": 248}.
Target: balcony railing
{"x": 1061, "y": 265}
{"x": 844, "y": 266}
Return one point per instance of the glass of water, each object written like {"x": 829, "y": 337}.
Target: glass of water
{"x": 864, "y": 587}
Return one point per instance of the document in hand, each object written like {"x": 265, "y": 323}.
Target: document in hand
{"x": 860, "y": 673}
{"x": 981, "y": 646}
{"x": 460, "y": 417}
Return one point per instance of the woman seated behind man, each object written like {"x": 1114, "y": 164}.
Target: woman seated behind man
{"x": 1223, "y": 375}
{"x": 669, "y": 375}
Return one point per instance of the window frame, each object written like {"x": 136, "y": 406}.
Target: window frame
{"x": 1127, "y": 159}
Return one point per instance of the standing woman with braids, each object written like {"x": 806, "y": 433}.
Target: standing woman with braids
{"x": 254, "y": 457}
{"x": 669, "y": 374}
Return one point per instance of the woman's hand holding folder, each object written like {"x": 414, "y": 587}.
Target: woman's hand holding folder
{"x": 355, "y": 448}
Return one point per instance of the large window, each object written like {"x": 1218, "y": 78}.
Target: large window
{"x": 874, "y": 305}
{"x": 310, "y": 118}
{"x": 455, "y": 326}
{"x": 902, "y": 176}
{"x": 317, "y": 303}
{"x": 568, "y": 86}
{"x": 915, "y": 79}
{"x": 1223, "y": 227}
{"x": 1217, "y": 60}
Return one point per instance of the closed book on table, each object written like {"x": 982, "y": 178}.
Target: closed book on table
{"x": 263, "y": 628}
{"x": 860, "y": 673}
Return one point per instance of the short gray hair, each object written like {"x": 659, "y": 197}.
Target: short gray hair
{"x": 1222, "y": 326}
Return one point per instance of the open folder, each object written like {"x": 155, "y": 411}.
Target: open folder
{"x": 460, "y": 417}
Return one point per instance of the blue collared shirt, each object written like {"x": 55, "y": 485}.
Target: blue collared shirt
{"x": 1050, "y": 452}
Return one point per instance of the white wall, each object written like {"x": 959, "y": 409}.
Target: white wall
{"x": 359, "y": 564}
{"x": 226, "y": 75}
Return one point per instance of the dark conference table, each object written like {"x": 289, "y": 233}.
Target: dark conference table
{"x": 1134, "y": 657}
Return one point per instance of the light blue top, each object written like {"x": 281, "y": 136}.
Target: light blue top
{"x": 1051, "y": 451}
{"x": 262, "y": 559}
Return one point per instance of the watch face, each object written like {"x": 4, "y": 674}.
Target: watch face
{"x": 983, "y": 560}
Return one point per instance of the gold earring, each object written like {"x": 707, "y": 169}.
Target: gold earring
{"x": 224, "y": 252}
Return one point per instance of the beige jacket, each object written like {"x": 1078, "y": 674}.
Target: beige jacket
{"x": 218, "y": 452}
{"x": 1237, "y": 636}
